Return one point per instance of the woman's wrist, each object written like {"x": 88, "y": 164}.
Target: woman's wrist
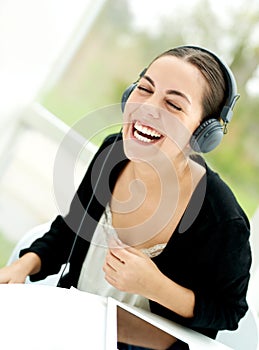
{"x": 30, "y": 263}
{"x": 173, "y": 296}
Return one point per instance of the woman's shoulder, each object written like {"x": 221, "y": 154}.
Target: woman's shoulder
{"x": 217, "y": 192}
{"x": 220, "y": 197}
{"x": 213, "y": 203}
{"x": 221, "y": 204}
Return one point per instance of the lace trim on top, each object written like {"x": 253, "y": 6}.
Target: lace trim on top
{"x": 151, "y": 252}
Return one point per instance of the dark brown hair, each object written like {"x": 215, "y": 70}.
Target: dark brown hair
{"x": 215, "y": 90}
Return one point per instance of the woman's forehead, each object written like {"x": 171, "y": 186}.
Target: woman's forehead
{"x": 170, "y": 72}
{"x": 171, "y": 65}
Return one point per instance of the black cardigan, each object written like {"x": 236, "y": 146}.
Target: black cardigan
{"x": 209, "y": 252}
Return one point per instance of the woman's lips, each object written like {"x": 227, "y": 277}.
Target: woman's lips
{"x": 145, "y": 133}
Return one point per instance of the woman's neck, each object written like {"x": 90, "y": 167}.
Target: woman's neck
{"x": 165, "y": 172}
{"x": 143, "y": 183}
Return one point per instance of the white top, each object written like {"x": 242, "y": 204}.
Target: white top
{"x": 92, "y": 279}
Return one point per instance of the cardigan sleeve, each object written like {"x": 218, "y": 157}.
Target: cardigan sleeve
{"x": 221, "y": 302}
{"x": 215, "y": 266}
{"x": 52, "y": 248}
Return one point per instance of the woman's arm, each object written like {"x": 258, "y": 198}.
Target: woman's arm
{"x": 218, "y": 300}
{"x": 130, "y": 270}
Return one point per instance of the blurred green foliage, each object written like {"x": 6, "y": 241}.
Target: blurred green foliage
{"x": 115, "y": 52}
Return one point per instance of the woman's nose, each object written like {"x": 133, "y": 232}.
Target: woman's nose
{"x": 151, "y": 107}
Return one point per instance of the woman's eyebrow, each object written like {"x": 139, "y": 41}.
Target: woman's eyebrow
{"x": 151, "y": 81}
{"x": 169, "y": 92}
{"x": 178, "y": 93}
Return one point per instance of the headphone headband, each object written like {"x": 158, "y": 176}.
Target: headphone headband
{"x": 232, "y": 97}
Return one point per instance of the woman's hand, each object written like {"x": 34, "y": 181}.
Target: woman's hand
{"x": 20, "y": 269}
{"x": 12, "y": 274}
{"x": 130, "y": 270}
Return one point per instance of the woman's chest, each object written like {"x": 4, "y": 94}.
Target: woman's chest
{"x": 147, "y": 211}
{"x": 151, "y": 223}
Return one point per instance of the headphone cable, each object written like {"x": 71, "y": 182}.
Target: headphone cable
{"x": 87, "y": 208}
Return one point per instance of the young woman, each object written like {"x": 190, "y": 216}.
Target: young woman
{"x": 151, "y": 224}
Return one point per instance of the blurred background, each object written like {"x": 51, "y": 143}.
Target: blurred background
{"x": 63, "y": 60}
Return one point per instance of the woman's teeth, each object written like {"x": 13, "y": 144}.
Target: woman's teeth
{"x": 145, "y": 133}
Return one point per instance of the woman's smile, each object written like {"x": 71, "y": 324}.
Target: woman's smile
{"x": 145, "y": 133}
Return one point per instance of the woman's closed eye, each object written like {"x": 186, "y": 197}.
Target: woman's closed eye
{"x": 147, "y": 90}
{"x": 173, "y": 105}
{"x": 144, "y": 89}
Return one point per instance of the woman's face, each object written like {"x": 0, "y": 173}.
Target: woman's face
{"x": 164, "y": 109}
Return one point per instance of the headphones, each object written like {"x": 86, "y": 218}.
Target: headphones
{"x": 209, "y": 133}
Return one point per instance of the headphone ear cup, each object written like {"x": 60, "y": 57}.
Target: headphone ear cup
{"x": 126, "y": 95}
{"x": 207, "y": 136}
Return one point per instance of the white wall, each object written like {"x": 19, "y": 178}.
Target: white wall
{"x": 37, "y": 39}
